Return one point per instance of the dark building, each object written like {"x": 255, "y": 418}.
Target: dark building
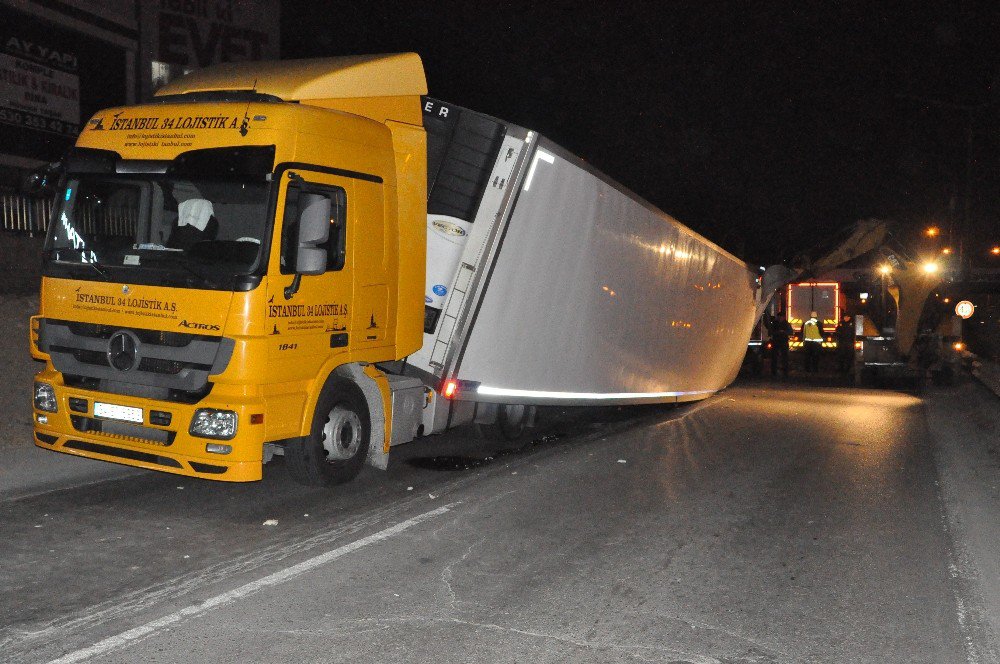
{"x": 60, "y": 62}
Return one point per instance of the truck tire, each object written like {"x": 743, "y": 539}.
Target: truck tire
{"x": 336, "y": 448}
{"x": 511, "y": 424}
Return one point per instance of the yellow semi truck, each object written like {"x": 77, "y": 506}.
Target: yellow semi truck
{"x": 315, "y": 259}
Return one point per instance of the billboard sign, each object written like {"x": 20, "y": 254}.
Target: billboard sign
{"x": 39, "y": 87}
{"x": 51, "y": 77}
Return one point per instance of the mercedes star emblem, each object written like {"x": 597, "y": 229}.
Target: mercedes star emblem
{"x": 122, "y": 351}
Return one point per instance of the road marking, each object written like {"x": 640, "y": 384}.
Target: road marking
{"x": 119, "y": 640}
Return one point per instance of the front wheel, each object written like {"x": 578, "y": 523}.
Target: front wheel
{"x": 337, "y": 446}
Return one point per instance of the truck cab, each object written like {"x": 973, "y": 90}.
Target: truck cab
{"x": 230, "y": 257}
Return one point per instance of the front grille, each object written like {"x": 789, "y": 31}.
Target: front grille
{"x": 208, "y": 468}
{"x": 132, "y": 390}
{"x": 155, "y": 365}
{"x": 84, "y": 356}
{"x": 124, "y": 431}
{"x": 167, "y": 361}
{"x": 122, "y": 454}
{"x": 150, "y": 364}
{"x": 156, "y": 337}
{"x": 91, "y": 330}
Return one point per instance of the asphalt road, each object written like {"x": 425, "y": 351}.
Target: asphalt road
{"x": 772, "y": 523}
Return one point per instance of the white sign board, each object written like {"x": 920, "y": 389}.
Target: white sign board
{"x": 38, "y": 97}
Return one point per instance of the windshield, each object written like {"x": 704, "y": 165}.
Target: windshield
{"x": 195, "y": 232}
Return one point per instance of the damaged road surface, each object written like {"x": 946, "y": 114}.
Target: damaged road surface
{"x": 768, "y": 524}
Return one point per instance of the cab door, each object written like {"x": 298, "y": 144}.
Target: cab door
{"x": 308, "y": 317}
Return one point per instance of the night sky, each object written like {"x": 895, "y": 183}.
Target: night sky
{"x": 764, "y": 126}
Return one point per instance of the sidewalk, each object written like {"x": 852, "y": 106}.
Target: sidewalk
{"x": 988, "y": 373}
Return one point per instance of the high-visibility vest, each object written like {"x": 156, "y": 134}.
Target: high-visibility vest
{"x": 811, "y": 330}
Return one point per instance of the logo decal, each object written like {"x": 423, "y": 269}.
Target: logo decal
{"x": 448, "y": 228}
{"x": 440, "y": 290}
{"x": 198, "y": 326}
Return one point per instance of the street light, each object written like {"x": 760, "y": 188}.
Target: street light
{"x": 933, "y": 231}
{"x": 946, "y": 251}
{"x": 885, "y": 270}
{"x": 930, "y": 267}
{"x": 995, "y": 251}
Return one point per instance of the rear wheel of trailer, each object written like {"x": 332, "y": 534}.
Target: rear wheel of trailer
{"x": 511, "y": 424}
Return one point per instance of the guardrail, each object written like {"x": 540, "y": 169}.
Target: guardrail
{"x": 24, "y": 214}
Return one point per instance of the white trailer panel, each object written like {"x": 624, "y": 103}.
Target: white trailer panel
{"x": 596, "y": 296}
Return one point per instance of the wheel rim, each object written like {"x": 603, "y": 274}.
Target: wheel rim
{"x": 342, "y": 434}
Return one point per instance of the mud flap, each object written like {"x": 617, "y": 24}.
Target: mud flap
{"x": 378, "y": 453}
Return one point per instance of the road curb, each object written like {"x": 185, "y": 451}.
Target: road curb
{"x": 987, "y": 373}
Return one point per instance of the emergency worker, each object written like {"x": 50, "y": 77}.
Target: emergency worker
{"x": 812, "y": 342}
{"x": 779, "y": 329}
{"x": 845, "y": 345}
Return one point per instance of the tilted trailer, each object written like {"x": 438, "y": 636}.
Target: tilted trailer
{"x": 550, "y": 283}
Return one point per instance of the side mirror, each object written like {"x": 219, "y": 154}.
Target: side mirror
{"x": 313, "y": 230}
{"x": 41, "y": 181}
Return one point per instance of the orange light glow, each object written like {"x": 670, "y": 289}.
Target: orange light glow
{"x": 885, "y": 269}
{"x": 450, "y": 389}
{"x": 995, "y": 251}
{"x": 933, "y": 231}
{"x": 946, "y": 251}
{"x": 958, "y": 346}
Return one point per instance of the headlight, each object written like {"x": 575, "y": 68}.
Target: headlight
{"x": 45, "y": 397}
{"x": 211, "y": 423}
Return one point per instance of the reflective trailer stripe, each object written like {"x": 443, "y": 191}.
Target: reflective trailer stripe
{"x": 486, "y": 390}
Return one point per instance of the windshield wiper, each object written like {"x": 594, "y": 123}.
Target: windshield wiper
{"x": 93, "y": 264}
{"x": 96, "y": 267}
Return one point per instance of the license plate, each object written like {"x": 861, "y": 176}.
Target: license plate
{"x": 115, "y": 412}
